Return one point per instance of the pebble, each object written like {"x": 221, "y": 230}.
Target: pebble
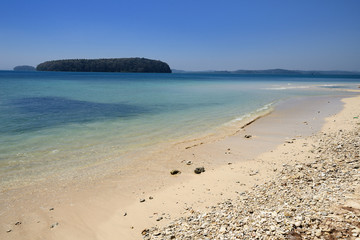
{"x": 303, "y": 201}
{"x": 222, "y": 229}
{"x": 175, "y": 172}
{"x": 199, "y": 170}
{"x": 318, "y": 233}
{"x": 253, "y": 173}
{"x": 142, "y": 200}
{"x": 54, "y": 225}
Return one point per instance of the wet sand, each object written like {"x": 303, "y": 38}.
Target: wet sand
{"x": 110, "y": 208}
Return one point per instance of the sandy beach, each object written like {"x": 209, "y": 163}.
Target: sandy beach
{"x": 139, "y": 201}
{"x": 185, "y": 120}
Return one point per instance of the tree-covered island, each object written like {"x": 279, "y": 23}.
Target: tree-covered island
{"x": 24, "y": 68}
{"x": 140, "y": 65}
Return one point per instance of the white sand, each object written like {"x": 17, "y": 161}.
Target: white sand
{"x": 110, "y": 208}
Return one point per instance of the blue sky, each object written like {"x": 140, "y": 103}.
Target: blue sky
{"x": 189, "y": 35}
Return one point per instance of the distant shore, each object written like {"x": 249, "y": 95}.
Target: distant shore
{"x": 280, "y": 72}
{"x": 111, "y": 208}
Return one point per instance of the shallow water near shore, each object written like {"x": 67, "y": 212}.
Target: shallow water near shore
{"x": 58, "y": 123}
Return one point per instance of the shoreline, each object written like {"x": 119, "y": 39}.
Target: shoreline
{"x": 101, "y": 170}
{"x": 89, "y": 168}
{"x": 312, "y": 191}
{"x": 171, "y": 194}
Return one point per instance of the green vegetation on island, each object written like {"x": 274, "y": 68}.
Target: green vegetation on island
{"x": 140, "y": 65}
{"x": 24, "y": 68}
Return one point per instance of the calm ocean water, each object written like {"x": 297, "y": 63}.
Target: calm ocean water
{"x": 60, "y": 122}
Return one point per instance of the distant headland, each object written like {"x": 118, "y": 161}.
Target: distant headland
{"x": 135, "y": 65}
{"x": 24, "y": 68}
{"x": 280, "y": 72}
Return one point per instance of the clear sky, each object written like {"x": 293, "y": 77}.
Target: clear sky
{"x": 188, "y": 35}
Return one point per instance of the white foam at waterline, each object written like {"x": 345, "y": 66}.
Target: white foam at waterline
{"x": 252, "y": 115}
{"x": 329, "y": 85}
{"x": 286, "y": 88}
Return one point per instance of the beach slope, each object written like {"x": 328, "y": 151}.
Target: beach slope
{"x": 295, "y": 174}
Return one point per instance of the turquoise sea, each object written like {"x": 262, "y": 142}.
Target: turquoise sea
{"x": 54, "y": 122}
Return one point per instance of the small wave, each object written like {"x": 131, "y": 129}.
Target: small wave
{"x": 249, "y": 117}
{"x": 331, "y": 86}
{"x": 288, "y": 87}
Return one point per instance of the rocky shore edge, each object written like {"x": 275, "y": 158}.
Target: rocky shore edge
{"x": 315, "y": 198}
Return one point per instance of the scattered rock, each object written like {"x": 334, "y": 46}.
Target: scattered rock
{"x": 297, "y": 224}
{"x": 17, "y": 223}
{"x": 145, "y": 231}
{"x": 51, "y": 209}
{"x": 199, "y": 170}
{"x": 175, "y": 172}
{"x": 159, "y": 219}
{"x": 248, "y": 136}
{"x": 253, "y": 173}
{"x": 303, "y": 201}
{"x": 9, "y": 231}
{"x": 151, "y": 198}
{"x": 188, "y": 163}
{"x": 318, "y": 232}
{"x": 142, "y": 200}
{"x": 54, "y": 225}
{"x": 222, "y": 229}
